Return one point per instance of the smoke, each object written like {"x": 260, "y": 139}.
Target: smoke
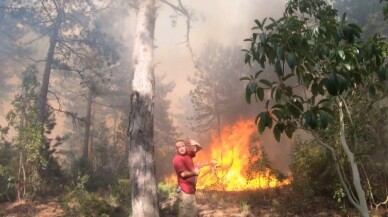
{"x": 227, "y": 23}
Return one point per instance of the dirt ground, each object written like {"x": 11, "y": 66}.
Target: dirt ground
{"x": 210, "y": 204}
{"x": 49, "y": 207}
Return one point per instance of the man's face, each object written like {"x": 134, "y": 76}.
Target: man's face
{"x": 181, "y": 147}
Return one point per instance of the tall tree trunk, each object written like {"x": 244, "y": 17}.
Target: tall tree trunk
{"x": 141, "y": 148}
{"x": 361, "y": 203}
{"x": 88, "y": 122}
{"x": 22, "y": 179}
{"x": 91, "y": 153}
{"x": 47, "y": 71}
{"x": 22, "y": 172}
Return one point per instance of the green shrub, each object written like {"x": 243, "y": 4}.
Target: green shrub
{"x": 167, "y": 198}
{"x": 8, "y": 171}
{"x": 313, "y": 167}
{"x": 79, "y": 202}
{"x": 314, "y": 180}
{"x": 166, "y": 190}
{"x": 121, "y": 192}
{"x": 7, "y": 185}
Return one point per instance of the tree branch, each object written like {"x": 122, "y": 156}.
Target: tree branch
{"x": 73, "y": 115}
{"x": 48, "y": 13}
{"x": 347, "y": 110}
{"x": 182, "y": 10}
{"x": 353, "y": 164}
{"x": 337, "y": 167}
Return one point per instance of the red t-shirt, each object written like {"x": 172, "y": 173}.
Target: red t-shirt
{"x": 185, "y": 163}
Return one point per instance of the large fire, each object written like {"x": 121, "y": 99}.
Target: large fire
{"x": 232, "y": 157}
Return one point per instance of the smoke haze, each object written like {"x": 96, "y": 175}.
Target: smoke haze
{"x": 226, "y": 22}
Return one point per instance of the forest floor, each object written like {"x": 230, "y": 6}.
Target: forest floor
{"x": 210, "y": 204}
{"x": 42, "y": 208}
{"x": 254, "y": 204}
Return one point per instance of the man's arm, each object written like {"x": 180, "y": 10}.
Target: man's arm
{"x": 181, "y": 169}
{"x": 186, "y": 174}
{"x": 195, "y": 144}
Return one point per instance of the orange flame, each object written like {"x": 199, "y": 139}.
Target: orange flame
{"x": 231, "y": 153}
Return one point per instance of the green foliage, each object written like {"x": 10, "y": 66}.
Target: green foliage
{"x": 98, "y": 179}
{"x": 311, "y": 166}
{"x": 258, "y": 162}
{"x": 312, "y": 53}
{"x": 314, "y": 177}
{"x": 339, "y": 195}
{"x": 7, "y": 184}
{"x": 320, "y": 63}
{"x": 166, "y": 190}
{"x": 42, "y": 172}
{"x": 24, "y": 119}
{"x": 371, "y": 15}
{"x": 79, "y": 202}
{"x": 8, "y": 168}
{"x": 367, "y": 138}
{"x": 167, "y": 194}
{"x": 121, "y": 191}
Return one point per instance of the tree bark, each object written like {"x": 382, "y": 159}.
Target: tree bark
{"x": 47, "y": 71}
{"x": 141, "y": 148}
{"x": 22, "y": 180}
{"x": 88, "y": 122}
{"x": 362, "y": 204}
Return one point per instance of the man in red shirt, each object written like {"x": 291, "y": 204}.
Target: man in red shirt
{"x": 187, "y": 176}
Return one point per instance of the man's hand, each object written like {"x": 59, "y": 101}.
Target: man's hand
{"x": 196, "y": 171}
{"x": 195, "y": 144}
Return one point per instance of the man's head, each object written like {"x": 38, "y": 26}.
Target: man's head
{"x": 181, "y": 147}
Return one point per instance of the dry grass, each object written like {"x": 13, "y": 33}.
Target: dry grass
{"x": 45, "y": 208}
